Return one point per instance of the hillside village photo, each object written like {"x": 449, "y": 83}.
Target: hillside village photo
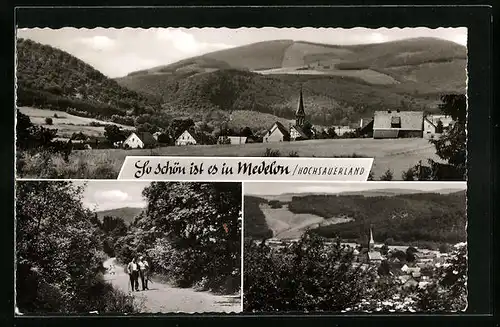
{"x": 115, "y": 247}
{"x": 355, "y": 247}
{"x": 87, "y": 98}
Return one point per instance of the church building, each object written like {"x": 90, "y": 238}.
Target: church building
{"x": 372, "y": 255}
{"x": 295, "y": 132}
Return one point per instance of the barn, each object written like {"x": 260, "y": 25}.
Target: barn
{"x": 398, "y": 124}
{"x": 277, "y": 133}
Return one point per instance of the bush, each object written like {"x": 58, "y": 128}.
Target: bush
{"x": 48, "y": 121}
{"x": 387, "y": 176}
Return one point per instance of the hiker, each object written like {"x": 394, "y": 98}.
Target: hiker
{"x": 133, "y": 272}
{"x": 143, "y": 272}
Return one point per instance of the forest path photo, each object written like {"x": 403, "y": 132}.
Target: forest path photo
{"x": 163, "y": 298}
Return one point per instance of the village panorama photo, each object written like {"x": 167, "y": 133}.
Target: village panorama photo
{"x": 87, "y": 98}
{"x": 351, "y": 247}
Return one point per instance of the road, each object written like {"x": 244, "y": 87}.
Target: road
{"x": 163, "y": 298}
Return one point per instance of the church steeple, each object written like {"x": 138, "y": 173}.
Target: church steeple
{"x": 371, "y": 244}
{"x": 300, "y": 114}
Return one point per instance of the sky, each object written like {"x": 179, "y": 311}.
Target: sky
{"x": 105, "y": 195}
{"x": 276, "y": 188}
{"x": 117, "y": 52}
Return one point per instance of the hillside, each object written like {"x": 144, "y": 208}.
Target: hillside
{"x": 341, "y": 83}
{"x": 429, "y": 217}
{"x": 128, "y": 214}
{"x": 49, "y": 78}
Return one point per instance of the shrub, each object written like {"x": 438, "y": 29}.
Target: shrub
{"x": 387, "y": 176}
{"x": 48, "y": 121}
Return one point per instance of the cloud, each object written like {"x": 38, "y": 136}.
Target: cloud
{"x": 186, "y": 43}
{"x": 98, "y": 42}
{"x": 111, "y": 195}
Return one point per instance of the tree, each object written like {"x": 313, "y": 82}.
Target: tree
{"x": 201, "y": 222}
{"x": 304, "y": 276}
{"x": 247, "y": 132}
{"x": 451, "y": 146}
{"x": 387, "y": 176}
{"x": 384, "y": 249}
{"x": 449, "y": 292}
{"x": 48, "y": 121}
{"x": 164, "y": 138}
{"x": 384, "y": 269}
{"x": 410, "y": 254}
{"x": 114, "y": 133}
{"x": 331, "y": 132}
{"x": 307, "y": 128}
{"x": 23, "y": 129}
{"x": 439, "y": 127}
{"x": 58, "y": 252}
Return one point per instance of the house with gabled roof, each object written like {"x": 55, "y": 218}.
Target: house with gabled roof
{"x": 139, "y": 140}
{"x": 186, "y": 138}
{"x": 398, "y": 124}
{"x": 277, "y": 133}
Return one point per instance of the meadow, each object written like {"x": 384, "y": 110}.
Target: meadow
{"x": 396, "y": 155}
{"x": 65, "y": 123}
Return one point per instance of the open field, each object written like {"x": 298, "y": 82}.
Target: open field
{"x": 367, "y": 75}
{"x": 395, "y": 154}
{"x": 67, "y": 124}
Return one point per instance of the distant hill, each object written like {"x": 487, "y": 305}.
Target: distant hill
{"x": 341, "y": 83}
{"x": 430, "y": 217}
{"x": 50, "y": 78}
{"x": 128, "y": 214}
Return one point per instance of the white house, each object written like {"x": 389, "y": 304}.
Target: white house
{"x": 232, "y": 140}
{"x": 277, "y": 133}
{"x": 186, "y": 138}
{"x": 139, "y": 140}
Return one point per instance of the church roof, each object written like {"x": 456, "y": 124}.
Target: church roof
{"x": 374, "y": 255}
{"x": 300, "y": 107}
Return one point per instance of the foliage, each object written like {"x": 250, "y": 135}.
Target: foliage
{"x": 48, "y": 121}
{"x": 192, "y": 231}
{"x": 307, "y": 276}
{"x": 449, "y": 292}
{"x": 255, "y": 220}
{"x": 114, "y": 133}
{"x": 58, "y": 253}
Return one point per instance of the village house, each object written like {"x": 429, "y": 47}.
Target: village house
{"x": 156, "y": 135}
{"x": 278, "y": 132}
{"x": 432, "y": 128}
{"x": 398, "y": 124}
{"x": 139, "y": 140}
{"x": 186, "y": 138}
{"x": 366, "y": 127}
{"x": 232, "y": 140}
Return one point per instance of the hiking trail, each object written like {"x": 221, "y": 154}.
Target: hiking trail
{"x": 163, "y": 298}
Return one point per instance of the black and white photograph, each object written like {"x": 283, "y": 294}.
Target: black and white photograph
{"x": 87, "y": 98}
{"x": 355, "y": 247}
{"x": 118, "y": 247}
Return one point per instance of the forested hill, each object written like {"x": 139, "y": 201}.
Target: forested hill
{"x": 341, "y": 83}
{"x": 50, "y": 78}
{"x": 128, "y": 214}
{"x": 427, "y": 217}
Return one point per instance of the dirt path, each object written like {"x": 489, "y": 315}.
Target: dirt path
{"x": 164, "y": 298}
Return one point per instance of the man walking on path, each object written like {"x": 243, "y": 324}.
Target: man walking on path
{"x": 133, "y": 272}
{"x": 143, "y": 272}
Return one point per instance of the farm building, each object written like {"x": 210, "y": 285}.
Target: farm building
{"x": 432, "y": 122}
{"x": 398, "y": 124}
{"x": 186, "y": 138}
{"x": 232, "y": 140}
{"x": 277, "y": 133}
{"x": 139, "y": 140}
